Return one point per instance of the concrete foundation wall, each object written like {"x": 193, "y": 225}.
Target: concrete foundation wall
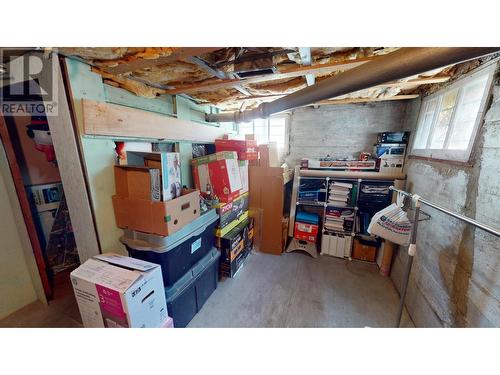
{"x": 455, "y": 280}
{"x": 341, "y": 131}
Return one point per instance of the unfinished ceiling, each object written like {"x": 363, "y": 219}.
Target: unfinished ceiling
{"x": 237, "y": 78}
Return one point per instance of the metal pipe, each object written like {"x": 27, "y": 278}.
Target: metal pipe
{"x": 409, "y": 264}
{"x": 402, "y": 63}
{"x": 467, "y": 219}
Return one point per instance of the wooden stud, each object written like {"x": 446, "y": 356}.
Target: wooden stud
{"x": 364, "y": 100}
{"x": 72, "y": 173}
{"x": 282, "y": 74}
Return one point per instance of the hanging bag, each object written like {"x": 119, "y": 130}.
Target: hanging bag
{"x": 392, "y": 223}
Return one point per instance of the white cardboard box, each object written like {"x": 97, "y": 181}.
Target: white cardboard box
{"x": 115, "y": 291}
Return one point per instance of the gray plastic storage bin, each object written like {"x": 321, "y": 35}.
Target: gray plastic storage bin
{"x": 176, "y": 253}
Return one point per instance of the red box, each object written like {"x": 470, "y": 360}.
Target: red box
{"x": 218, "y": 174}
{"x": 246, "y": 149}
{"x": 306, "y": 232}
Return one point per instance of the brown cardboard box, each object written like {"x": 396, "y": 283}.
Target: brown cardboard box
{"x": 137, "y": 182}
{"x": 364, "y": 250}
{"x": 267, "y": 193}
{"x": 264, "y": 155}
{"x": 268, "y": 154}
{"x": 162, "y": 218}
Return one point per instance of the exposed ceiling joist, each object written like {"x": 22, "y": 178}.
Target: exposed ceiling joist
{"x": 365, "y": 100}
{"x": 255, "y": 56}
{"x": 218, "y": 73}
{"x": 178, "y": 54}
{"x": 305, "y": 57}
{"x": 405, "y": 84}
{"x": 281, "y": 74}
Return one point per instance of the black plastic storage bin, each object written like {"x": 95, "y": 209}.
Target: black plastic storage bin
{"x": 178, "y": 252}
{"x": 374, "y": 194}
{"x": 188, "y": 295}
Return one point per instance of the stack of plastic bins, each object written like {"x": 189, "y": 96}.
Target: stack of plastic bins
{"x": 176, "y": 253}
{"x": 188, "y": 295}
{"x": 189, "y": 262}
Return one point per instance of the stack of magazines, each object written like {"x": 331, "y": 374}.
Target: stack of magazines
{"x": 339, "y": 219}
{"x": 339, "y": 194}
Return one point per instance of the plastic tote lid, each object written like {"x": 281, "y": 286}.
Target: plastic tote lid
{"x": 152, "y": 242}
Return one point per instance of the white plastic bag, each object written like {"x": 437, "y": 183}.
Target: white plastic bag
{"x": 392, "y": 223}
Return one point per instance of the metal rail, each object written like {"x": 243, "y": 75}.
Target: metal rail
{"x": 467, "y": 219}
{"x": 413, "y": 243}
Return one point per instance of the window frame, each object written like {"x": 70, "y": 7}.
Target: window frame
{"x": 461, "y": 156}
{"x": 286, "y": 147}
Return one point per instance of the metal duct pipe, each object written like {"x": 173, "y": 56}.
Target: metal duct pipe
{"x": 402, "y": 63}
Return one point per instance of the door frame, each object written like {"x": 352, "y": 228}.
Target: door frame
{"x": 17, "y": 178}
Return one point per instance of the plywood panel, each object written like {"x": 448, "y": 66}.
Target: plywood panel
{"x": 114, "y": 120}
{"x": 72, "y": 175}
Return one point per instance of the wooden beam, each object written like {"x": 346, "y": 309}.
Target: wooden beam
{"x": 118, "y": 121}
{"x": 69, "y": 161}
{"x": 413, "y": 82}
{"x": 364, "y": 100}
{"x": 305, "y": 57}
{"x": 282, "y": 74}
{"x": 217, "y": 73}
{"x": 179, "y": 54}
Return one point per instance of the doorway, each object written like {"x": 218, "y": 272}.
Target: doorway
{"x": 33, "y": 165}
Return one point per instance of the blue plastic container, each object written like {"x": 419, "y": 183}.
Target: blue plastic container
{"x": 307, "y": 217}
{"x": 176, "y": 253}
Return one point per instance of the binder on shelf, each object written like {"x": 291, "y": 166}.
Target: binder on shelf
{"x": 337, "y": 245}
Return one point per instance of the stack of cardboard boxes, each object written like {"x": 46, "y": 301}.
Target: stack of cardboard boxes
{"x": 149, "y": 197}
{"x": 268, "y": 199}
{"x": 223, "y": 178}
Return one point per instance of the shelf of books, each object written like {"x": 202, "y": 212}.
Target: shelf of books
{"x": 345, "y": 206}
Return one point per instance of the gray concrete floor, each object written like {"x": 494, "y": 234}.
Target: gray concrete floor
{"x": 291, "y": 290}
{"x": 296, "y": 290}
{"x": 62, "y": 311}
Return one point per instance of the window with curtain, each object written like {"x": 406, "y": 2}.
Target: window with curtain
{"x": 449, "y": 119}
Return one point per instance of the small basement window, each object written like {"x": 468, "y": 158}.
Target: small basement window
{"x": 273, "y": 129}
{"x": 449, "y": 119}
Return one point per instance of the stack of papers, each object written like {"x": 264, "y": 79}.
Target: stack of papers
{"x": 339, "y": 193}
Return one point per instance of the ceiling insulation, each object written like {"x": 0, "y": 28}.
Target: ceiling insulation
{"x": 173, "y": 74}
{"x": 220, "y": 65}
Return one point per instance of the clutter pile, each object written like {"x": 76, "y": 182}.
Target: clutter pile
{"x": 180, "y": 241}
{"x": 388, "y": 157}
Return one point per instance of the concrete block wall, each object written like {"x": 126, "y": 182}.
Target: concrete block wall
{"x": 455, "y": 281}
{"x": 343, "y": 130}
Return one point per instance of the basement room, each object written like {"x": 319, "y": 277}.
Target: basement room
{"x": 250, "y": 185}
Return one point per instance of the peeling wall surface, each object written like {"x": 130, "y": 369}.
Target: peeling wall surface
{"x": 341, "y": 131}
{"x": 455, "y": 280}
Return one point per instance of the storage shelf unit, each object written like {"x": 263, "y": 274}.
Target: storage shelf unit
{"x": 357, "y": 180}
